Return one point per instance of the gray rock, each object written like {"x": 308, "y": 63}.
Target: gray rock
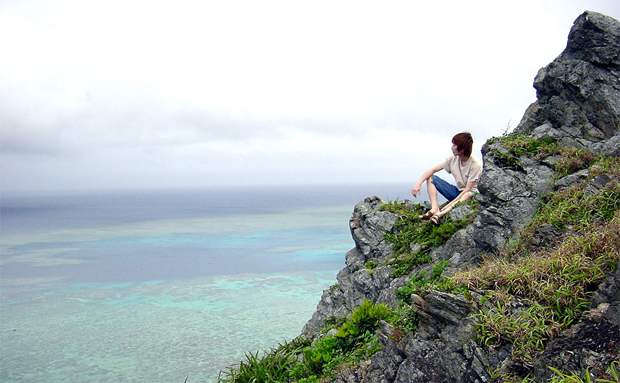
{"x": 609, "y": 292}
{"x": 356, "y": 283}
{"x": 593, "y": 343}
{"x": 546, "y": 132}
{"x": 508, "y": 198}
{"x": 601, "y": 181}
{"x": 595, "y": 38}
{"x": 578, "y": 93}
{"x": 545, "y": 236}
{"x": 610, "y": 147}
{"x": 578, "y": 104}
{"x": 571, "y": 179}
{"x": 460, "y": 212}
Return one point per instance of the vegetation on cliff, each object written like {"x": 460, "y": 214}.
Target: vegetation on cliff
{"x": 527, "y": 294}
{"x": 532, "y": 290}
{"x": 413, "y": 239}
{"x": 302, "y": 360}
{"x": 535, "y": 294}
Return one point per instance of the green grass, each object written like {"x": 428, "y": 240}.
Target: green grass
{"x": 410, "y": 231}
{"x": 574, "y": 207}
{"x": 419, "y": 282}
{"x": 270, "y": 366}
{"x": 305, "y": 361}
{"x": 517, "y": 145}
{"x": 609, "y": 376}
{"x": 556, "y": 285}
{"x": 403, "y": 314}
{"x": 612, "y": 377}
{"x": 370, "y": 265}
{"x": 572, "y": 160}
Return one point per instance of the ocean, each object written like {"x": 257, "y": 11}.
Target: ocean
{"x": 164, "y": 285}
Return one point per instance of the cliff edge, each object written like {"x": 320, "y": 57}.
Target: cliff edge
{"x": 577, "y": 109}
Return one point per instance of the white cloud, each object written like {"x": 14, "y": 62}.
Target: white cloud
{"x": 140, "y": 94}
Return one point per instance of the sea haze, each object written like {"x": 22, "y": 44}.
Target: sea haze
{"x": 160, "y": 285}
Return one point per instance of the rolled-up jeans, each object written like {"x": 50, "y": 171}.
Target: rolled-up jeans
{"x": 449, "y": 191}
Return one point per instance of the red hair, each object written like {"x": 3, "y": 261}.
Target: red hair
{"x": 463, "y": 142}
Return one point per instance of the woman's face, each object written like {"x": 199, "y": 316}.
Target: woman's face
{"x": 455, "y": 150}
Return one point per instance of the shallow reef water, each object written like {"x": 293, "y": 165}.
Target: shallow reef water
{"x": 153, "y": 331}
{"x": 160, "y": 286}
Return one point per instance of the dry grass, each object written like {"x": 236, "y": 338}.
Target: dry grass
{"x": 555, "y": 286}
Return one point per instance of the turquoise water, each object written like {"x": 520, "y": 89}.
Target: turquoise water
{"x": 153, "y": 331}
{"x": 157, "y": 288}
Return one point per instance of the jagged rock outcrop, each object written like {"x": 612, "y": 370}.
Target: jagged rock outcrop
{"x": 355, "y": 284}
{"x": 442, "y": 349}
{"x": 579, "y": 92}
{"x": 578, "y": 105}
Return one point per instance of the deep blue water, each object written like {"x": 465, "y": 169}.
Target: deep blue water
{"x": 160, "y": 285}
{"x": 27, "y": 213}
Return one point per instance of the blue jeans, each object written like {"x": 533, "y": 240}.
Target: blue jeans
{"x": 449, "y": 191}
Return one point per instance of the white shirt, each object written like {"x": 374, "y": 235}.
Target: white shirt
{"x": 470, "y": 171}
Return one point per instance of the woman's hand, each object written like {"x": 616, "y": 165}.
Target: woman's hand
{"x": 418, "y": 186}
{"x": 416, "y": 189}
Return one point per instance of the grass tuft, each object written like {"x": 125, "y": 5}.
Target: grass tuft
{"x": 575, "y": 208}
{"x": 556, "y": 287}
{"x": 535, "y": 295}
{"x": 305, "y": 361}
{"x": 413, "y": 239}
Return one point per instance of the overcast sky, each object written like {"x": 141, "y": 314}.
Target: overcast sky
{"x": 142, "y": 94}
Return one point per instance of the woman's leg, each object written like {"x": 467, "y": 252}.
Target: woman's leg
{"x": 446, "y": 210}
{"x": 451, "y": 193}
{"x": 432, "y": 194}
{"x": 446, "y": 189}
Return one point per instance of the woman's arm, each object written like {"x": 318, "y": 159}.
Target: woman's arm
{"x": 418, "y": 186}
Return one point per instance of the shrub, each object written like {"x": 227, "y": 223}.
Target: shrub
{"x": 418, "y": 283}
{"x": 364, "y": 318}
{"x": 410, "y": 230}
{"x": 518, "y": 145}
{"x": 305, "y": 362}
{"x": 272, "y": 366}
{"x": 354, "y": 340}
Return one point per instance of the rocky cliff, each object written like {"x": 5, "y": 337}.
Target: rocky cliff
{"x": 578, "y": 106}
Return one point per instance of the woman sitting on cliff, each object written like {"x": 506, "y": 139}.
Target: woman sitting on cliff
{"x": 466, "y": 171}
